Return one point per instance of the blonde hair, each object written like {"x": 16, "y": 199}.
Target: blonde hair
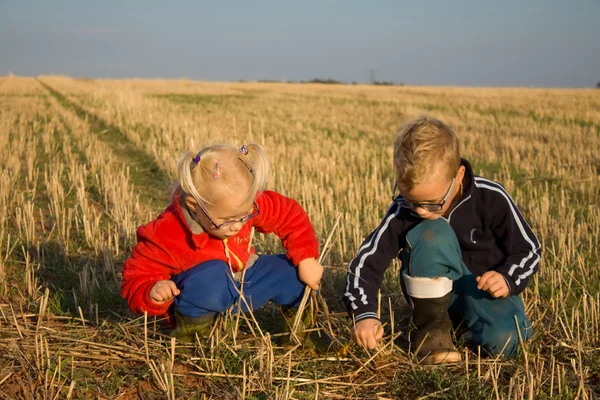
{"x": 422, "y": 146}
{"x": 222, "y": 170}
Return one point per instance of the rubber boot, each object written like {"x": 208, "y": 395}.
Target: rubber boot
{"x": 431, "y": 340}
{"x": 317, "y": 341}
{"x": 188, "y": 327}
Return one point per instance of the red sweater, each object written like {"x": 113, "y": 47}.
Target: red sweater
{"x": 168, "y": 246}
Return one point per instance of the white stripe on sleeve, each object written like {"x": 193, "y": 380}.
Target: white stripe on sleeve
{"x": 372, "y": 245}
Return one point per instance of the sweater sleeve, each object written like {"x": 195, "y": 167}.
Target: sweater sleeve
{"x": 148, "y": 264}
{"x": 366, "y": 270}
{"x": 514, "y": 238}
{"x": 288, "y": 220}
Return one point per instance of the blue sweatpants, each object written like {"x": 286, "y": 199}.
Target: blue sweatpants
{"x": 433, "y": 251}
{"x": 210, "y": 288}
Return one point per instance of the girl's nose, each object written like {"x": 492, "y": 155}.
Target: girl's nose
{"x": 236, "y": 227}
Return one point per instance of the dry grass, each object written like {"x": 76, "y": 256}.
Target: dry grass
{"x": 85, "y": 162}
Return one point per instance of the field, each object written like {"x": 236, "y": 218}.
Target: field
{"x": 85, "y": 162}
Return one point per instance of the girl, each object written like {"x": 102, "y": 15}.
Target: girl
{"x": 195, "y": 255}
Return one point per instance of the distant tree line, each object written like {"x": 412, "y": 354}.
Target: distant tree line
{"x": 330, "y": 81}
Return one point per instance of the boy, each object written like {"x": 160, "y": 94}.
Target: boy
{"x": 466, "y": 252}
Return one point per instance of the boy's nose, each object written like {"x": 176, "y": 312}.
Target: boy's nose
{"x": 421, "y": 212}
{"x": 426, "y": 214}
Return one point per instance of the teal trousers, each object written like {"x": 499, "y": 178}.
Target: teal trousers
{"x": 433, "y": 251}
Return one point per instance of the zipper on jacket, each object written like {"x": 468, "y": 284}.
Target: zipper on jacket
{"x": 458, "y": 205}
{"x": 230, "y": 253}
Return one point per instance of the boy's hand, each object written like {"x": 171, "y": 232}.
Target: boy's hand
{"x": 493, "y": 283}
{"x": 163, "y": 291}
{"x": 310, "y": 272}
{"x": 367, "y": 332}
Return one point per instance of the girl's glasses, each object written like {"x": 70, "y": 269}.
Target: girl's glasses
{"x": 402, "y": 202}
{"x": 228, "y": 224}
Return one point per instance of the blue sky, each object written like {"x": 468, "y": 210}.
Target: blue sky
{"x": 542, "y": 43}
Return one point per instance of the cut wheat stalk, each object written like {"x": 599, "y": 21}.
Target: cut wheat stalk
{"x": 307, "y": 289}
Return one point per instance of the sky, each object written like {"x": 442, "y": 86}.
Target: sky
{"x": 531, "y": 43}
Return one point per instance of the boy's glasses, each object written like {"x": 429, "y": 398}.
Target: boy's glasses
{"x": 228, "y": 224}
{"x": 401, "y": 201}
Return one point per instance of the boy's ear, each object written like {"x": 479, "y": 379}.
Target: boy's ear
{"x": 461, "y": 173}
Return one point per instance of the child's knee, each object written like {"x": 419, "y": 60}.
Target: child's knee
{"x": 206, "y": 286}
{"x": 501, "y": 342}
{"x": 433, "y": 251}
{"x": 504, "y": 340}
{"x": 435, "y": 233}
{"x": 208, "y": 274}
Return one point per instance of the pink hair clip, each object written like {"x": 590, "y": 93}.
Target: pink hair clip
{"x": 244, "y": 150}
{"x": 217, "y": 172}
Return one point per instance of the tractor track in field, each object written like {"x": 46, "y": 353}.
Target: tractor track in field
{"x": 151, "y": 183}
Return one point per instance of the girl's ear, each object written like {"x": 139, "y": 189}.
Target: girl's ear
{"x": 190, "y": 203}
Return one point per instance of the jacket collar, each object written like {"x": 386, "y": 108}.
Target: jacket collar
{"x": 468, "y": 179}
{"x": 182, "y": 212}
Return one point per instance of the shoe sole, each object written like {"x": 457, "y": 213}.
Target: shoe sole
{"x": 445, "y": 357}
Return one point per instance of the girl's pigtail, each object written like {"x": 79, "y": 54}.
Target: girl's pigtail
{"x": 186, "y": 164}
{"x": 258, "y": 161}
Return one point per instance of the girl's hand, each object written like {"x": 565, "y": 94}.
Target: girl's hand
{"x": 493, "y": 283}
{"x": 310, "y": 272}
{"x": 367, "y": 332}
{"x": 163, "y": 291}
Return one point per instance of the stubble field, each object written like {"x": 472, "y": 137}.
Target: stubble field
{"x": 85, "y": 162}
